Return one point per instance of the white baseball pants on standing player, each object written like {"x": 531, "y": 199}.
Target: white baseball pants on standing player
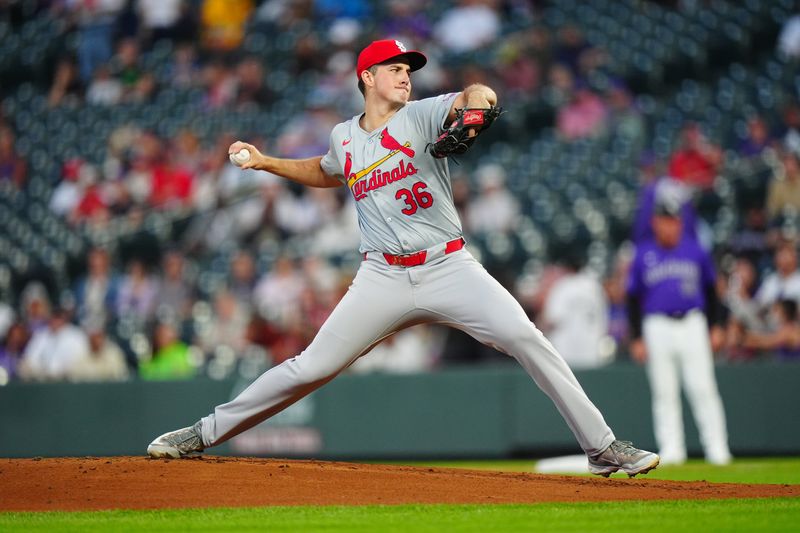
{"x": 451, "y": 289}
{"x": 679, "y": 350}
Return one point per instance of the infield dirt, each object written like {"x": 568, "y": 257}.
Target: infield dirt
{"x": 93, "y": 483}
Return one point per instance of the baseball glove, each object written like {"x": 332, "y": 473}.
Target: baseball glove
{"x": 455, "y": 139}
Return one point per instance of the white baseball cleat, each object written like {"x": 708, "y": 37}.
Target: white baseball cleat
{"x": 621, "y": 455}
{"x": 184, "y": 442}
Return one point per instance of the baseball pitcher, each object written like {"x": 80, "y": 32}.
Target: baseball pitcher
{"x": 393, "y": 159}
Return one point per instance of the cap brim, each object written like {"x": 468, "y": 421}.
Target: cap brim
{"x": 416, "y": 60}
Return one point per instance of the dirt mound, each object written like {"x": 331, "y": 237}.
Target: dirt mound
{"x": 141, "y": 483}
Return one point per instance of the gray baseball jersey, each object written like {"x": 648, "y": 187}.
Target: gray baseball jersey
{"x": 405, "y": 205}
{"x": 403, "y": 195}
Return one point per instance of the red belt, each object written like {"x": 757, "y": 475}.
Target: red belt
{"x": 418, "y": 258}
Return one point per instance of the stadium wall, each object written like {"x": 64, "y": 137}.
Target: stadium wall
{"x": 470, "y": 412}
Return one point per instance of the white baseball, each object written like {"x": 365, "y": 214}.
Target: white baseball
{"x": 241, "y": 157}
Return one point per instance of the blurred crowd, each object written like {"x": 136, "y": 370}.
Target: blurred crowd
{"x": 140, "y": 307}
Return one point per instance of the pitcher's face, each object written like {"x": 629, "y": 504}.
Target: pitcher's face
{"x": 393, "y": 82}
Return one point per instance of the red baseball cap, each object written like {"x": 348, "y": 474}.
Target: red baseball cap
{"x": 380, "y": 51}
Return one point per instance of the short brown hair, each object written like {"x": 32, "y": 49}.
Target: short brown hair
{"x": 372, "y": 70}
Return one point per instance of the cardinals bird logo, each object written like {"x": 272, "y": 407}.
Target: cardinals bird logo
{"x": 377, "y": 177}
{"x": 391, "y": 144}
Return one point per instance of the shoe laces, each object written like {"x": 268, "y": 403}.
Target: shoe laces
{"x": 624, "y": 447}
{"x": 189, "y": 437}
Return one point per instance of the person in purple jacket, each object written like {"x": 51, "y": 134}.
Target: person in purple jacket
{"x": 671, "y": 302}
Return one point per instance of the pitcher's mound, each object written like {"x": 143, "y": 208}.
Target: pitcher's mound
{"x": 141, "y": 483}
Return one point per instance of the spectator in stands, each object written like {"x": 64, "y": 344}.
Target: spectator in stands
{"x": 171, "y": 356}
{"x": 53, "y": 350}
{"x": 789, "y": 38}
{"x": 784, "y": 188}
{"x": 784, "y": 340}
{"x": 208, "y": 169}
{"x": 35, "y": 306}
{"x": 137, "y": 294}
{"x": 222, "y": 23}
{"x": 791, "y": 125}
{"x": 13, "y": 167}
{"x": 584, "y": 116}
{"x": 219, "y": 84}
{"x": 145, "y": 89}
{"x": 104, "y": 89}
{"x": 740, "y": 293}
{"x": 308, "y": 55}
{"x": 67, "y": 194}
{"x": 277, "y": 295}
{"x": 753, "y": 239}
{"x": 7, "y": 317}
{"x": 95, "y": 20}
{"x": 291, "y": 337}
{"x": 758, "y": 138}
{"x": 242, "y": 278}
{"x": 744, "y": 313}
{"x": 251, "y": 89}
{"x": 575, "y": 314}
{"x": 614, "y": 286}
{"x": 784, "y": 282}
{"x": 336, "y": 9}
{"x": 174, "y": 297}
{"x": 593, "y": 61}
{"x": 228, "y": 325}
{"x": 96, "y": 293}
{"x": 66, "y": 88}
{"x": 171, "y": 185}
{"x": 304, "y": 135}
{"x": 540, "y": 46}
{"x": 315, "y": 307}
{"x": 126, "y": 66}
{"x": 560, "y": 85}
{"x": 91, "y": 208}
{"x": 138, "y": 177}
{"x": 187, "y": 152}
{"x": 624, "y": 118}
{"x": 571, "y": 45}
{"x": 697, "y": 161}
{"x": 520, "y": 72}
{"x": 407, "y": 21}
{"x": 104, "y": 361}
{"x": 119, "y": 152}
{"x": 299, "y": 214}
{"x": 11, "y": 351}
{"x": 334, "y": 84}
{"x": 183, "y": 69}
{"x": 494, "y": 209}
{"x": 468, "y": 26}
{"x": 140, "y": 244}
{"x": 166, "y": 19}
{"x": 408, "y": 351}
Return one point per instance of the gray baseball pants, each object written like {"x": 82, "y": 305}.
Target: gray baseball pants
{"x": 451, "y": 289}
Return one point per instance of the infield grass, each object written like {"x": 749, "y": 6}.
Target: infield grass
{"x": 755, "y": 515}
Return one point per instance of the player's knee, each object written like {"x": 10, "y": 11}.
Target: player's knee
{"x": 306, "y": 371}
{"x": 520, "y": 338}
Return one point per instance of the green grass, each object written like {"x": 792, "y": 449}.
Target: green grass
{"x": 751, "y": 515}
{"x": 756, "y": 470}
{"x": 654, "y": 517}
